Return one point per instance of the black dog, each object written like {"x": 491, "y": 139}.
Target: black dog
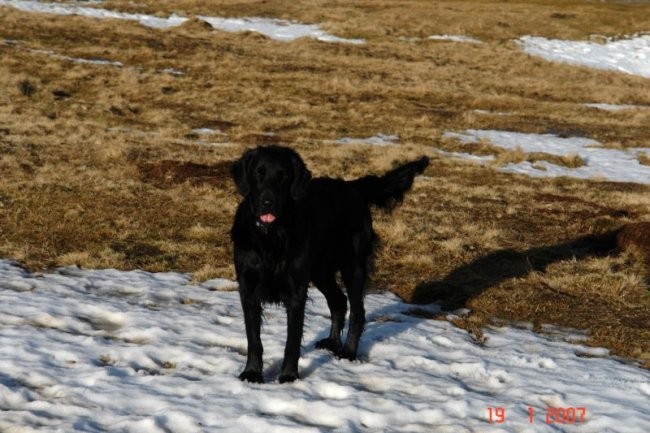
{"x": 290, "y": 230}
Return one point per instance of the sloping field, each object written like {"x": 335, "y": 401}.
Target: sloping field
{"x": 116, "y": 138}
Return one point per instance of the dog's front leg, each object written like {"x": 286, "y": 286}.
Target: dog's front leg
{"x": 253, "y": 319}
{"x": 295, "y": 320}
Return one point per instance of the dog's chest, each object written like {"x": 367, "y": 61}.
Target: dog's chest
{"x": 276, "y": 289}
{"x": 274, "y": 276}
{"x": 280, "y": 278}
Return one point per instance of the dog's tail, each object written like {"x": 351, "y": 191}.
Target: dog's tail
{"x": 388, "y": 190}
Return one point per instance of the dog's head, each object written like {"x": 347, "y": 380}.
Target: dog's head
{"x": 270, "y": 178}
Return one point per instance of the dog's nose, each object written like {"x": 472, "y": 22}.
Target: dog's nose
{"x": 267, "y": 204}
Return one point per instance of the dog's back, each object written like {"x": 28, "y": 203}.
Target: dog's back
{"x": 339, "y": 208}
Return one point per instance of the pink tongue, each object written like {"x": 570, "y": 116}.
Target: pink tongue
{"x": 267, "y": 218}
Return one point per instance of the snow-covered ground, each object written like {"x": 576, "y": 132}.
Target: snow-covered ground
{"x": 630, "y": 55}
{"x": 96, "y": 351}
{"x": 275, "y": 29}
{"x": 599, "y": 162}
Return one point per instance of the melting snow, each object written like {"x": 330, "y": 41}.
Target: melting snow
{"x": 106, "y": 350}
{"x": 206, "y": 131}
{"x": 101, "y": 62}
{"x": 615, "y": 107}
{"x": 72, "y": 9}
{"x": 172, "y": 71}
{"x": 376, "y": 140}
{"x": 275, "y": 29}
{"x": 600, "y": 163}
{"x": 455, "y": 38}
{"x": 631, "y": 56}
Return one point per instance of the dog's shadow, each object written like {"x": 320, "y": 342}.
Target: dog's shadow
{"x": 470, "y": 280}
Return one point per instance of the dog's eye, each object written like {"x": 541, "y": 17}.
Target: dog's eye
{"x": 261, "y": 171}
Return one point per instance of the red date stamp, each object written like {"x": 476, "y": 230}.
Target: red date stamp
{"x": 496, "y": 415}
{"x": 554, "y": 415}
{"x": 565, "y": 415}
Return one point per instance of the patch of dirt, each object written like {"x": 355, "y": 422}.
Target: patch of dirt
{"x": 168, "y": 173}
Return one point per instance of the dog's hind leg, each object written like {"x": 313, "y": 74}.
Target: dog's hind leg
{"x": 355, "y": 276}
{"x": 338, "y": 305}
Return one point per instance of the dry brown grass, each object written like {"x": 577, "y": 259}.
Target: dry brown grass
{"x": 644, "y": 159}
{"x": 98, "y": 165}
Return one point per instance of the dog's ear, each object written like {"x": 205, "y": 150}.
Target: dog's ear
{"x": 240, "y": 171}
{"x": 301, "y": 178}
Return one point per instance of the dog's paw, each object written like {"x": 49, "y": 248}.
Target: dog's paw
{"x": 329, "y": 344}
{"x": 288, "y": 378}
{"x": 251, "y": 376}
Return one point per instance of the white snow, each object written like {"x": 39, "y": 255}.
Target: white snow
{"x": 478, "y": 159}
{"x": 172, "y": 71}
{"x": 455, "y": 38}
{"x": 630, "y": 55}
{"x": 490, "y": 113}
{"x": 281, "y": 30}
{"x": 600, "y": 163}
{"x": 91, "y": 350}
{"x": 91, "y": 12}
{"x": 100, "y": 62}
{"x": 444, "y": 38}
{"x": 614, "y": 107}
{"x": 376, "y": 140}
{"x": 206, "y": 131}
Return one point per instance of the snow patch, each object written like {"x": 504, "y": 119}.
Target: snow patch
{"x": 615, "y": 107}
{"x": 630, "y": 55}
{"x": 600, "y": 163}
{"x": 172, "y": 71}
{"x": 101, "y": 62}
{"x": 281, "y": 30}
{"x": 205, "y": 131}
{"x": 78, "y": 352}
{"x": 73, "y": 9}
{"x": 375, "y": 140}
{"x": 455, "y": 38}
{"x": 478, "y": 159}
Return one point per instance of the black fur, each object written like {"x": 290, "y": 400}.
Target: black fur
{"x": 290, "y": 230}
